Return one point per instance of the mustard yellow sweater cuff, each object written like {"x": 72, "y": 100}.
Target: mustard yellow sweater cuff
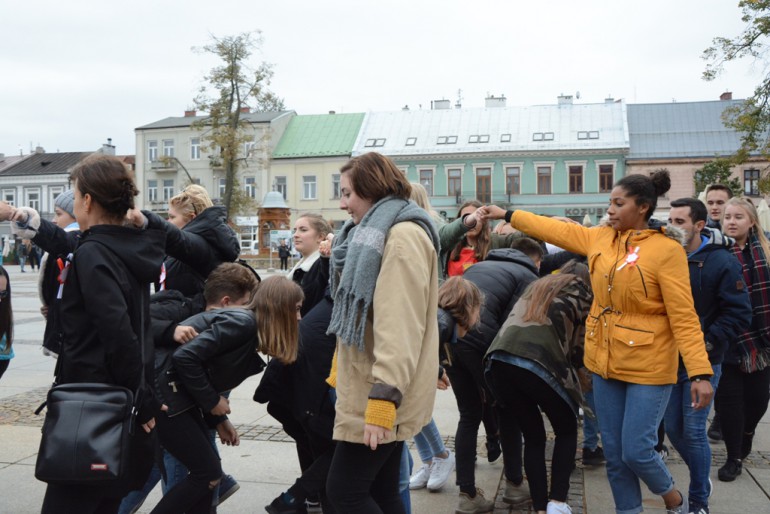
{"x": 332, "y": 378}
{"x": 381, "y": 413}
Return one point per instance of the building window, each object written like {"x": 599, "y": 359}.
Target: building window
{"x": 221, "y": 187}
{"x": 426, "y": 179}
{"x": 482, "y": 138}
{"x": 251, "y": 187}
{"x": 152, "y": 151}
{"x": 446, "y": 140}
{"x": 248, "y": 148}
{"x": 505, "y": 138}
{"x": 195, "y": 148}
{"x": 593, "y": 134}
{"x": 336, "y": 186}
{"x": 512, "y": 180}
{"x": 168, "y": 189}
{"x": 9, "y": 196}
{"x": 32, "y": 198}
{"x": 411, "y": 141}
{"x": 168, "y": 148}
{"x": 484, "y": 185}
{"x": 53, "y": 192}
{"x": 152, "y": 190}
{"x": 606, "y": 177}
{"x": 308, "y": 187}
{"x": 542, "y": 136}
{"x": 454, "y": 182}
{"x": 750, "y": 182}
{"x": 544, "y": 180}
{"x": 280, "y": 186}
{"x": 575, "y": 179}
{"x": 374, "y": 142}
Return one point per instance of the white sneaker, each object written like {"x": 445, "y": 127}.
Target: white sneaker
{"x": 420, "y": 479}
{"x": 558, "y": 508}
{"x": 440, "y": 471}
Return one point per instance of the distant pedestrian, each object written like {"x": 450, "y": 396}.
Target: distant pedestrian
{"x": 22, "y": 252}
{"x": 6, "y": 321}
{"x": 283, "y": 253}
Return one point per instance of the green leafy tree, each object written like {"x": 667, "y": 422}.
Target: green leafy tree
{"x": 716, "y": 172}
{"x": 229, "y": 88}
{"x": 752, "y": 117}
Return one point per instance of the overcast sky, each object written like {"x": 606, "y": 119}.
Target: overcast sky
{"x": 74, "y": 73}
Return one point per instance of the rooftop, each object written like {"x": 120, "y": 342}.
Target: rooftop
{"x": 319, "y": 135}
{"x": 539, "y": 128}
{"x": 681, "y": 129}
{"x": 45, "y": 164}
{"x": 186, "y": 121}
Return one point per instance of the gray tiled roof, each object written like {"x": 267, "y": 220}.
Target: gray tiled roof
{"x": 10, "y": 160}
{"x": 186, "y": 121}
{"x": 679, "y": 130}
{"x": 509, "y": 129}
{"x": 45, "y": 164}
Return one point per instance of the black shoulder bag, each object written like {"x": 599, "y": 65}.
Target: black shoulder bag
{"x": 88, "y": 431}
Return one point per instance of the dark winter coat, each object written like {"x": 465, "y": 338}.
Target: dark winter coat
{"x": 720, "y": 294}
{"x": 106, "y": 287}
{"x": 168, "y": 309}
{"x": 58, "y": 243}
{"x": 502, "y": 278}
{"x": 218, "y": 359}
{"x": 194, "y": 251}
{"x": 313, "y": 282}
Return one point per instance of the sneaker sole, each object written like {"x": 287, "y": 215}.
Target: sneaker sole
{"x": 228, "y": 493}
{"x": 515, "y": 501}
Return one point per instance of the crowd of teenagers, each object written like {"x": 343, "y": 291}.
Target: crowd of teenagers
{"x": 633, "y": 324}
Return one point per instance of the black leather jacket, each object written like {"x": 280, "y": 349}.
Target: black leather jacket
{"x": 222, "y": 356}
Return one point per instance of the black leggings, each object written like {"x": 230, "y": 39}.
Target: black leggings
{"x": 742, "y": 400}
{"x": 521, "y": 394}
{"x": 186, "y": 437}
{"x": 467, "y": 376}
{"x": 362, "y": 481}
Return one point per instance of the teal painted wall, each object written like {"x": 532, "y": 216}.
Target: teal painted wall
{"x": 559, "y": 203}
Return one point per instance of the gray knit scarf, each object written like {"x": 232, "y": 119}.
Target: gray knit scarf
{"x": 356, "y": 259}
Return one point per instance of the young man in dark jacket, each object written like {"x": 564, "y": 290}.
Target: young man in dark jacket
{"x": 502, "y": 277}
{"x": 723, "y": 306}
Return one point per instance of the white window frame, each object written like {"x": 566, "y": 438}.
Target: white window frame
{"x": 168, "y": 189}
{"x": 604, "y": 162}
{"x": 250, "y": 186}
{"x": 449, "y": 169}
{"x": 195, "y": 149}
{"x": 336, "y": 186}
{"x": 28, "y": 201}
{"x": 221, "y": 187}
{"x": 168, "y": 148}
{"x": 152, "y": 150}
{"x": 432, "y": 170}
{"x": 152, "y": 190}
{"x": 538, "y": 165}
{"x": 53, "y": 192}
{"x": 309, "y": 187}
{"x": 9, "y": 196}
{"x": 520, "y": 166}
{"x": 282, "y": 187}
{"x": 582, "y": 164}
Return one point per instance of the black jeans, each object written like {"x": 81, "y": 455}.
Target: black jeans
{"x": 522, "y": 395}
{"x": 741, "y": 400}
{"x": 186, "y": 437}
{"x": 362, "y": 481}
{"x": 284, "y": 263}
{"x": 467, "y": 376}
{"x": 312, "y": 483}
{"x": 85, "y": 500}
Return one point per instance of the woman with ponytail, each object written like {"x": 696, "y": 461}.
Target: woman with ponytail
{"x": 641, "y": 320}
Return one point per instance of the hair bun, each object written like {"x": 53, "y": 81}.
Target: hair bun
{"x": 661, "y": 180}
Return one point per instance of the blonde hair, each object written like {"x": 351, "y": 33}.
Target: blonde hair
{"x": 757, "y": 230}
{"x": 193, "y": 200}
{"x": 275, "y": 308}
{"x": 460, "y": 297}
{"x": 317, "y": 222}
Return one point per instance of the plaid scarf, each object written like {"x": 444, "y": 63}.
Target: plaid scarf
{"x": 356, "y": 259}
{"x": 753, "y": 345}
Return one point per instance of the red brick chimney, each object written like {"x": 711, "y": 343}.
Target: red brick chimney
{"x": 245, "y": 110}
{"x": 190, "y": 114}
{"x": 727, "y": 95}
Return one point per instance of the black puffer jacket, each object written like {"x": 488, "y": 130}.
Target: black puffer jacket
{"x": 502, "y": 277}
{"x": 223, "y": 355}
{"x": 193, "y": 252}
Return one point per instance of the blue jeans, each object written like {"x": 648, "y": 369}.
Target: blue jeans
{"x": 629, "y": 415}
{"x": 404, "y": 472}
{"x": 429, "y": 442}
{"x": 133, "y": 500}
{"x": 686, "y": 429}
{"x": 590, "y": 425}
